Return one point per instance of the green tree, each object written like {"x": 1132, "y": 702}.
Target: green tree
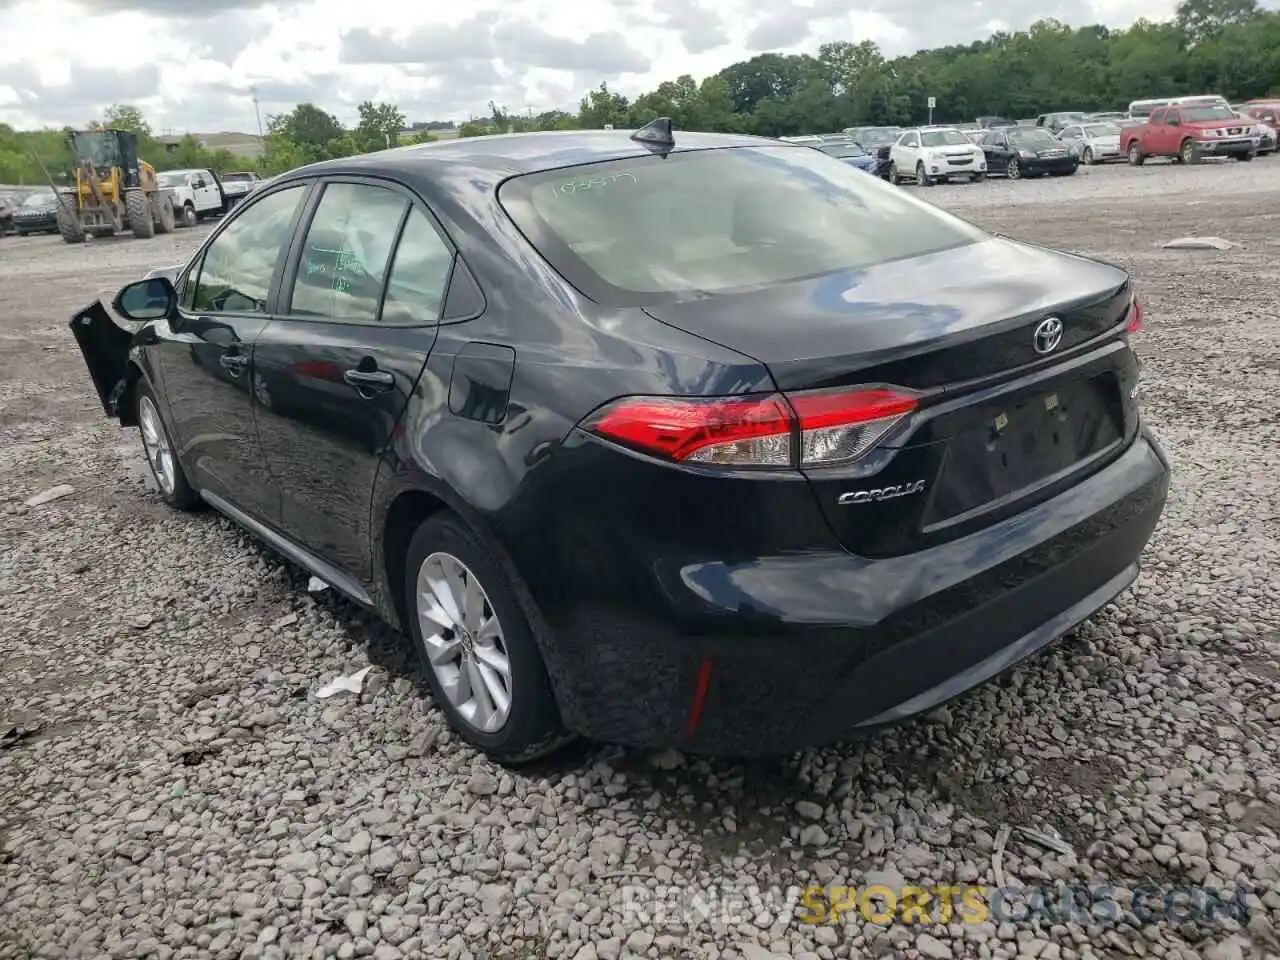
{"x": 601, "y": 108}
{"x": 379, "y": 127}
{"x": 123, "y": 116}
{"x": 1201, "y": 19}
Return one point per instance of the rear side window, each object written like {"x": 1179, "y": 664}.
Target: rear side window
{"x": 419, "y": 274}
{"x": 646, "y": 229}
{"x": 346, "y": 252}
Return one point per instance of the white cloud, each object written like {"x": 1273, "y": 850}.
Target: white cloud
{"x": 196, "y": 61}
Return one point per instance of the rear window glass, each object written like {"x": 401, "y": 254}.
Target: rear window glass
{"x": 716, "y": 221}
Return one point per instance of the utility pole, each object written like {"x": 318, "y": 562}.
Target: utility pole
{"x": 256, "y": 112}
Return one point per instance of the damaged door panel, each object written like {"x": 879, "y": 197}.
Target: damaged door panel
{"x": 106, "y": 347}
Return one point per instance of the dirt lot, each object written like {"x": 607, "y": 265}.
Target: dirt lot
{"x": 185, "y": 796}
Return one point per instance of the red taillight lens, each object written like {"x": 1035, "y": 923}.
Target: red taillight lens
{"x": 756, "y": 431}
{"x": 1135, "y": 315}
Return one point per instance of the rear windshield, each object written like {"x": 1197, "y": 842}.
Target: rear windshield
{"x": 235, "y": 177}
{"x": 879, "y": 136}
{"x": 648, "y": 229}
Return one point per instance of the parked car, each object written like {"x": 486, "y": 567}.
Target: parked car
{"x": 1094, "y": 142}
{"x": 609, "y": 438}
{"x": 238, "y": 184}
{"x": 974, "y": 136}
{"x": 930, "y": 155}
{"x": 1188, "y": 134}
{"x": 1055, "y": 122}
{"x": 197, "y": 194}
{"x": 1111, "y": 116}
{"x": 987, "y": 123}
{"x": 1262, "y": 131}
{"x": 877, "y": 141}
{"x": 38, "y": 213}
{"x": 852, "y": 154}
{"x": 1031, "y": 152}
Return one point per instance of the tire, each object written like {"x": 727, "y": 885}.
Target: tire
{"x": 977, "y": 178}
{"x": 921, "y": 179}
{"x": 1245, "y": 157}
{"x": 532, "y": 727}
{"x": 1014, "y": 170}
{"x": 1087, "y": 156}
{"x": 1189, "y": 152}
{"x": 893, "y": 174}
{"x": 138, "y": 207}
{"x": 164, "y": 214}
{"x": 167, "y": 472}
{"x": 1134, "y": 154}
{"x": 69, "y": 226}
{"x": 188, "y": 217}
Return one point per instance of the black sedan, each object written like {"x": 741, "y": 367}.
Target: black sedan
{"x": 1030, "y": 152}
{"x": 38, "y": 213}
{"x": 629, "y": 456}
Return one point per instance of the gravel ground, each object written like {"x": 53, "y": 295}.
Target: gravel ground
{"x": 186, "y": 795}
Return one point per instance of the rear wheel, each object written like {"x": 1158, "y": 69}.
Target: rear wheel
{"x": 188, "y": 218}
{"x": 69, "y": 225}
{"x": 164, "y": 214}
{"x": 893, "y": 174}
{"x": 138, "y": 206}
{"x": 161, "y": 458}
{"x": 1135, "y": 154}
{"x": 481, "y": 658}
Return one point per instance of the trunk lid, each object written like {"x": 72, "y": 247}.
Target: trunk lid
{"x": 999, "y": 426}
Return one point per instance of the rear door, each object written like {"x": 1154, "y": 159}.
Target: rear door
{"x": 206, "y": 352}
{"x": 335, "y": 368}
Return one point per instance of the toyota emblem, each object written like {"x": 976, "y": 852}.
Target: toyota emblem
{"x": 1048, "y": 335}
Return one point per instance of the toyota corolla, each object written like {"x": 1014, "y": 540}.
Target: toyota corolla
{"x": 657, "y": 438}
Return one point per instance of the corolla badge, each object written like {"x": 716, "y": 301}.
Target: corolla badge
{"x": 880, "y": 493}
{"x": 1048, "y": 335}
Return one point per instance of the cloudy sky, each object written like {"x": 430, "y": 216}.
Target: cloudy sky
{"x": 196, "y": 60}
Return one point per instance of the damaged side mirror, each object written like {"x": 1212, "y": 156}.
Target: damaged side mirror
{"x": 148, "y": 299}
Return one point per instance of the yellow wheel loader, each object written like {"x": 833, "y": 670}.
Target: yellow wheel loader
{"x": 113, "y": 190}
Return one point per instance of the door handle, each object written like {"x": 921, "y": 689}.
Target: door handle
{"x": 376, "y": 380}
{"x": 233, "y": 363}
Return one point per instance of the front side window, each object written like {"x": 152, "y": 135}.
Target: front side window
{"x": 346, "y": 252}
{"x": 646, "y": 229}
{"x": 235, "y": 273}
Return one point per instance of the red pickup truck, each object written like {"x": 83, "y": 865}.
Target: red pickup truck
{"x": 1188, "y": 133}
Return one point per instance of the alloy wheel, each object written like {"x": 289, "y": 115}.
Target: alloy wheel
{"x": 156, "y": 445}
{"x": 1088, "y": 155}
{"x": 1015, "y": 171}
{"x": 464, "y": 642}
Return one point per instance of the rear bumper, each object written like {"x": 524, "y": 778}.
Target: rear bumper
{"x": 809, "y": 648}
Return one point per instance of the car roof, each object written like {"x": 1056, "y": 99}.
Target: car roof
{"x": 510, "y": 154}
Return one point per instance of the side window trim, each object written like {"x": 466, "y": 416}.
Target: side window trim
{"x": 196, "y": 264}
{"x": 294, "y": 257}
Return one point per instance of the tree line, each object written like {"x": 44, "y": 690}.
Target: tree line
{"x": 1229, "y": 47}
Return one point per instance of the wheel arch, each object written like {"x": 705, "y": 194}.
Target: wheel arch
{"x": 411, "y": 498}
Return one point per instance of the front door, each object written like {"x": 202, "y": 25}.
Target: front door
{"x": 207, "y": 356}
{"x": 336, "y": 366}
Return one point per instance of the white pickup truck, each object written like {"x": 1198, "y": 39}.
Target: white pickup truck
{"x": 196, "y": 194}
{"x": 239, "y": 184}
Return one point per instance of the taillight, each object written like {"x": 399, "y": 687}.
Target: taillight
{"x": 796, "y": 430}
{"x": 1135, "y": 315}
